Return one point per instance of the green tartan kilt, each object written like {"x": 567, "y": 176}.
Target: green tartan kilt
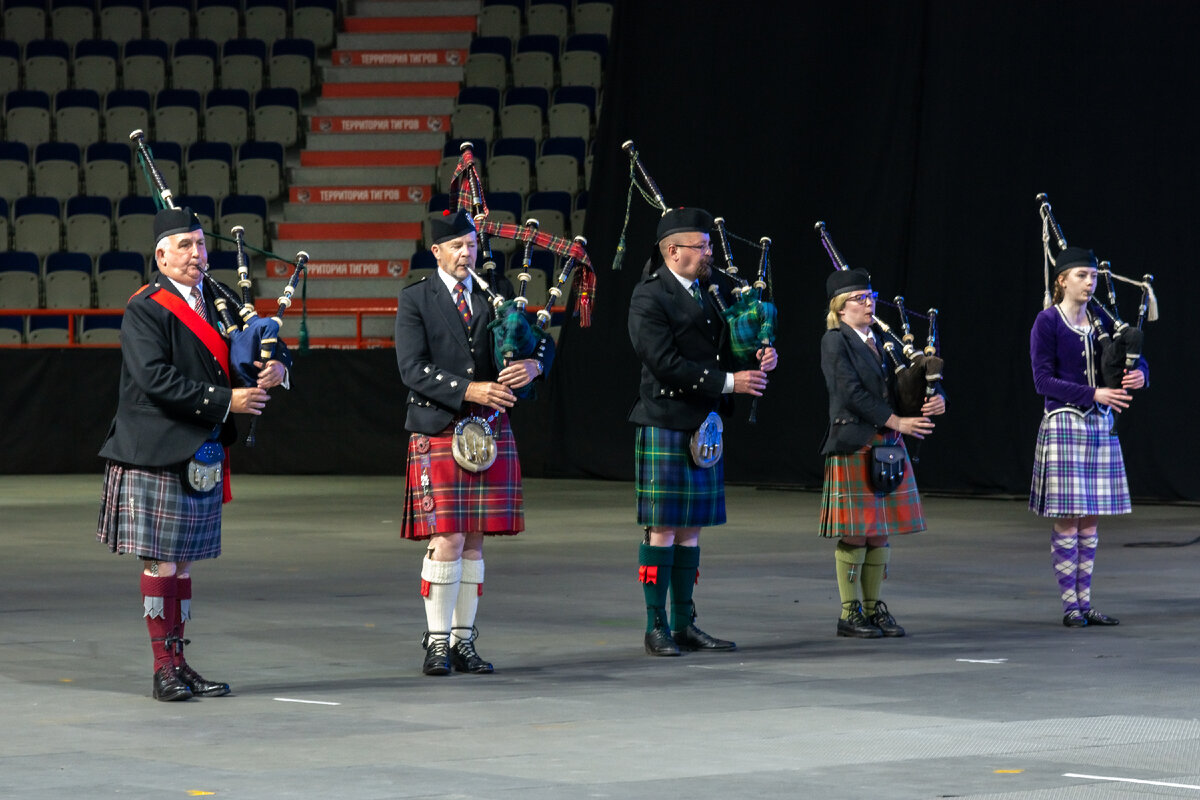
{"x": 671, "y": 490}
{"x": 850, "y": 506}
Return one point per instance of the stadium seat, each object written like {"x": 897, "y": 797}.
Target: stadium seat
{"x": 19, "y": 283}
{"x": 12, "y": 329}
{"x": 168, "y": 157}
{"x": 592, "y": 17}
{"x": 37, "y": 224}
{"x": 95, "y": 329}
{"x": 210, "y": 169}
{"x": 249, "y": 211}
{"x": 24, "y": 20}
{"x": 582, "y": 62}
{"x": 315, "y": 20}
{"x": 501, "y": 18}
{"x": 14, "y": 170}
{"x": 72, "y": 21}
{"x": 118, "y": 275}
{"x": 135, "y": 223}
{"x": 56, "y": 170}
{"x": 106, "y": 170}
{"x": 487, "y": 60}
{"x": 89, "y": 227}
{"x": 96, "y": 65}
{"x": 227, "y": 116}
{"x": 144, "y": 65}
{"x": 547, "y": 18}
{"x": 177, "y": 116}
{"x": 551, "y": 209}
{"x": 266, "y": 20}
{"x": 222, "y": 266}
{"x": 194, "y": 65}
{"x": 572, "y": 112}
{"x": 77, "y": 116}
{"x": 47, "y": 65}
{"x": 218, "y": 20}
{"x": 277, "y": 116}
{"x": 559, "y": 165}
{"x": 68, "y": 280}
{"x": 10, "y": 66}
{"x": 504, "y": 208}
{"x": 579, "y": 214}
{"x": 48, "y": 330}
{"x": 260, "y": 169}
{"x": 523, "y": 114}
{"x": 242, "y": 64}
{"x": 534, "y": 63}
{"x": 121, "y": 20}
{"x": 126, "y": 110}
{"x": 169, "y": 20}
{"x": 292, "y": 64}
{"x": 27, "y": 117}
{"x": 511, "y": 166}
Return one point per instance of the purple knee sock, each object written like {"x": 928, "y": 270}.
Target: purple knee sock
{"x": 1064, "y": 549}
{"x": 1083, "y": 577}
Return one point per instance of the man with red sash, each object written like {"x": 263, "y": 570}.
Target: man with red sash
{"x": 444, "y": 352}
{"x": 164, "y": 483}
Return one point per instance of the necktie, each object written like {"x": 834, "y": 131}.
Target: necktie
{"x": 696, "y": 294}
{"x": 874, "y": 348}
{"x": 460, "y": 300}
{"x": 198, "y": 303}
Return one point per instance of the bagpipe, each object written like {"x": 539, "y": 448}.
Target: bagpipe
{"x": 251, "y": 337}
{"x": 751, "y": 318}
{"x": 1120, "y": 343}
{"x": 918, "y": 372}
{"x": 514, "y": 337}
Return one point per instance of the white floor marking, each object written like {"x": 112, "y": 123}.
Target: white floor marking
{"x": 1132, "y": 780}
{"x": 309, "y": 702}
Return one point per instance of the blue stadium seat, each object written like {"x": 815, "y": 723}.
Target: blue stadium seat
{"x": 126, "y": 110}
{"x": 96, "y": 65}
{"x": 72, "y": 20}
{"x": 496, "y": 45}
{"x": 260, "y": 169}
{"x": 27, "y": 116}
{"x": 516, "y": 146}
{"x": 48, "y": 329}
{"x": 243, "y": 64}
{"x": 194, "y": 65}
{"x": 47, "y": 65}
{"x": 292, "y": 64}
{"x": 77, "y": 116}
{"x": 106, "y": 170}
{"x": 88, "y": 223}
{"x": 210, "y": 169}
{"x": 227, "y": 116}
{"x": 135, "y": 223}
{"x": 121, "y": 20}
{"x": 277, "y": 115}
{"x": 68, "y": 280}
{"x": 144, "y": 65}
{"x": 19, "y": 279}
{"x": 14, "y": 170}
{"x": 177, "y": 116}
{"x": 480, "y": 96}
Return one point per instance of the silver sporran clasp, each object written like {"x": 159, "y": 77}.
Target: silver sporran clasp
{"x": 203, "y": 472}
{"x": 706, "y": 444}
{"x": 474, "y": 444}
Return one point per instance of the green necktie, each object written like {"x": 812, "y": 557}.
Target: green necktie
{"x": 696, "y": 294}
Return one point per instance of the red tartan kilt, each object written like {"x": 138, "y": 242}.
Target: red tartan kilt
{"x": 487, "y": 502}
{"x": 851, "y": 507}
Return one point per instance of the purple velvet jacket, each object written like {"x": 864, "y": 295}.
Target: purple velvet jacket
{"x": 1066, "y": 364}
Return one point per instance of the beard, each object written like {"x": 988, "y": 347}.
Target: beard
{"x": 704, "y": 269}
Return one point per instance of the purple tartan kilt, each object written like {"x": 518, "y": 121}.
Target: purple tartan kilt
{"x": 671, "y": 490}
{"x": 1078, "y": 470}
{"x": 487, "y": 502}
{"x": 850, "y": 506}
{"x": 148, "y": 513}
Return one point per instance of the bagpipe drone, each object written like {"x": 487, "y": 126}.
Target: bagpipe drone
{"x": 1120, "y": 343}
{"x": 751, "y": 318}
{"x": 251, "y": 337}
{"x": 513, "y": 336}
{"x": 918, "y": 372}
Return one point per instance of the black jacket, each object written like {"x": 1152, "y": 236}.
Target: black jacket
{"x": 683, "y": 349}
{"x": 438, "y": 356}
{"x": 860, "y": 388}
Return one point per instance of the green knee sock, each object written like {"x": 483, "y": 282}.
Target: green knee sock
{"x": 654, "y": 573}
{"x": 849, "y": 561}
{"x": 684, "y": 575}
{"x": 874, "y": 571}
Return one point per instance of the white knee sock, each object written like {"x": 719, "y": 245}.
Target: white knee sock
{"x": 439, "y": 587}
{"x": 469, "y": 590}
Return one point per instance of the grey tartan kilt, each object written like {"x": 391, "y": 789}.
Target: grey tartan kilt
{"x": 149, "y": 513}
{"x": 1078, "y": 470}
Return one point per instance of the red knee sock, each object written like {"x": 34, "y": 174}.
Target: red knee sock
{"x": 161, "y": 609}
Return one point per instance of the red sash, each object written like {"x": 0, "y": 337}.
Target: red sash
{"x": 212, "y": 342}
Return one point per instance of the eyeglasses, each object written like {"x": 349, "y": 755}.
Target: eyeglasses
{"x": 861, "y": 299}
{"x": 700, "y": 247}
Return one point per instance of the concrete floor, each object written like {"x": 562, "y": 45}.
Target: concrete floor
{"x": 313, "y": 615}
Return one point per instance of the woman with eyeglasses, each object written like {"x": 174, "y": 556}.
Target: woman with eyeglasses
{"x": 862, "y": 398}
{"x": 1078, "y": 469}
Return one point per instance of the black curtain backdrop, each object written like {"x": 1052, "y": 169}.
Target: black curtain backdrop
{"x": 919, "y": 132}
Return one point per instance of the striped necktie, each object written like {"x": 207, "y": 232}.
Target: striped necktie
{"x": 460, "y": 300}
{"x": 696, "y": 294}
{"x": 198, "y": 303}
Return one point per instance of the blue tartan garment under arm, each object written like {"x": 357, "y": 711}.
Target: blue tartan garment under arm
{"x": 671, "y": 490}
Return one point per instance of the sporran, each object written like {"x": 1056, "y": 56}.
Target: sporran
{"x": 706, "y": 444}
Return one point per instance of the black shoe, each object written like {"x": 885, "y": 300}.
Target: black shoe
{"x": 882, "y": 618}
{"x": 1094, "y": 617}
{"x": 168, "y": 686}
{"x": 437, "y": 656}
{"x": 464, "y": 658}
{"x": 856, "y": 625}
{"x": 660, "y": 643}
{"x": 199, "y": 686}
{"x": 1075, "y": 619}
{"x": 692, "y": 638}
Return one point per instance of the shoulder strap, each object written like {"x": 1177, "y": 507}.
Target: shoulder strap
{"x": 207, "y": 335}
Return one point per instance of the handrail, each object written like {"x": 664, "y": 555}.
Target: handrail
{"x": 358, "y": 307}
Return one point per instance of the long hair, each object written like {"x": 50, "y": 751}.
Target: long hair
{"x": 833, "y": 320}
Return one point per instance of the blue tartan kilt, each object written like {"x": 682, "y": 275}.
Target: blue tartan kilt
{"x": 149, "y": 513}
{"x": 1078, "y": 469}
{"x": 671, "y": 490}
